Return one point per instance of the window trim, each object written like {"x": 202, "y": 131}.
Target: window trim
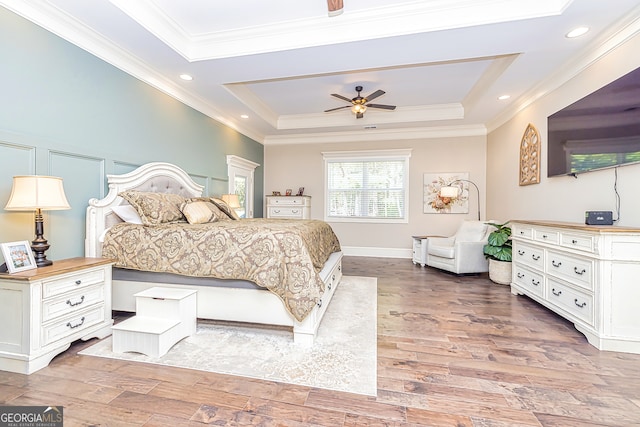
{"x": 371, "y": 156}
{"x": 239, "y": 166}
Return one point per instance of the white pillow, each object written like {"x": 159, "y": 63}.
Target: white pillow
{"x": 127, "y": 213}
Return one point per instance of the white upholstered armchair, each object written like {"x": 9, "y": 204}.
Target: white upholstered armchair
{"x": 461, "y": 253}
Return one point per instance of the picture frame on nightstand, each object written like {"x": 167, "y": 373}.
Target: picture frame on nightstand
{"x": 18, "y": 256}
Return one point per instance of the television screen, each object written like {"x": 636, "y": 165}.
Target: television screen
{"x": 601, "y": 130}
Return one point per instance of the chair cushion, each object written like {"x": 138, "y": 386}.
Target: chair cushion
{"x": 471, "y": 231}
{"x": 441, "y": 251}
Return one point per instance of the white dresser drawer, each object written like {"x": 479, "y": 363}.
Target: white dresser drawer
{"x": 522, "y": 231}
{"x": 76, "y": 301}
{"x": 529, "y": 255}
{"x": 70, "y": 282}
{"x": 578, "y": 304}
{"x": 576, "y": 241}
{"x": 547, "y": 236}
{"x": 532, "y": 281}
{"x": 282, "y": 212}
{"x": 287, "y": 201}
{"x": 572, "y": 269}
{"x": 71, "y": 324}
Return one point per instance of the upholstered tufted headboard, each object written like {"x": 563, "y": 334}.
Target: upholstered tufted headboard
{"x": 154, "y": 177}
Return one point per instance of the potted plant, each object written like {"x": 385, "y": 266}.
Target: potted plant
{"x": 498, "y": 251}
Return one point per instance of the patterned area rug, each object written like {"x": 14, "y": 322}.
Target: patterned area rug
{"x": 343, "y": 356}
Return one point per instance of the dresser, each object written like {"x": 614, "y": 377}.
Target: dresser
{"x": 42, "y": 311}
{"x": 294, "y": 207}
{"x": 586, "y": 274}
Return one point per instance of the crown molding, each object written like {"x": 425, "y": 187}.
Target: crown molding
{"x": 378, "y": 135}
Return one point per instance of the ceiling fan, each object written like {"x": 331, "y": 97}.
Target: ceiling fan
{"x": 360, "y": 104}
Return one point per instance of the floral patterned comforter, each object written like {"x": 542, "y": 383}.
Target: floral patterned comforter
{"x": 283, "y": 256}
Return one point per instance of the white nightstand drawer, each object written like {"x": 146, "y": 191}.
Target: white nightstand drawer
{"x": 69, "y": 325}
{"x": 578, "y": 304}
{"x": 78, "y": 300}
{"x": 70, "y": 282}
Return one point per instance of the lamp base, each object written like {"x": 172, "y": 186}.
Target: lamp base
{"x": 39, "y": 246}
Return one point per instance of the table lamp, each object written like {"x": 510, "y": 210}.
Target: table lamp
{"x": 38, "y": 193}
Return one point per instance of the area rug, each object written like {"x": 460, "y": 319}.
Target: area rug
{"x": 342, "y": 358}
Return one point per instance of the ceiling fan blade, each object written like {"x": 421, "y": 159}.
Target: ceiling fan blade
{"x": 384, "y": 107}
{"x": 339, "y": 108}
{"x": 375, "y": 94}
{"x": 359, "y": 115}
{"x": 344, "y": 98}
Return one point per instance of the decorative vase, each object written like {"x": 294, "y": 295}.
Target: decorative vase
{"x": 500, "y": 271}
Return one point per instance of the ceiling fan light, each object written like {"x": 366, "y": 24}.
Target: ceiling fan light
{"x": 359, "y": 108}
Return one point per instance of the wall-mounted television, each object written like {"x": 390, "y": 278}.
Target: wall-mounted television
{"x": 601, "y": 130}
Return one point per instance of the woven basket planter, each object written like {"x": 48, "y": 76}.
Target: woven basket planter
{"x": 500, "y": 272}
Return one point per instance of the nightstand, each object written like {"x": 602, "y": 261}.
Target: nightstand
{"x": 42, "y": 311}
{"x": 292, "y": 207}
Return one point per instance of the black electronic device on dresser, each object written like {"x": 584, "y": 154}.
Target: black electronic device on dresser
{"x": 598, "y": 218}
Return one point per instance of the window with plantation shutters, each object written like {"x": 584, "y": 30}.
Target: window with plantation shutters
{"x": 367, "y": 186}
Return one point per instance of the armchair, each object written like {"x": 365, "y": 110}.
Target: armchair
{"x": 461, "y": 253}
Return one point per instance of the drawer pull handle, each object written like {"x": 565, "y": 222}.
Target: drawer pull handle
{"x": 520, "y": 252}
{"x": 544, "y": 236}
{"x": 535, "y": 257}
{"x": 520, "y": 275}
{"x": 319, "y": 303}
{"x": 276, "y": 210}
{"x": 77, "y": 325}
{"x": 295, "y": 210}
{"x": 73, "y": 304}
{"x": 575, "y": 301}
{"x": 556, "y": 264}
{"x": 553, "y": 291}
{"x": 329, "y": 285}
{"x": 78, "y": 282}
{"x": 522, "y": 233}
{"x": 574, "y": 241}
{"x": 579, "y": 272}
{"x": 535, "y": 282}
{"x": 339, "y": 268}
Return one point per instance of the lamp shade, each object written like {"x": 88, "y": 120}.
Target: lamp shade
{"x": 31, "y": 192}
{"x": 450, "y": 192}
{"x": 231, "y": 200}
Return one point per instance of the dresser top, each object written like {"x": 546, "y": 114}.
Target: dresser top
{"x": 58, "y": 267}
{"x": 578, "y": 226}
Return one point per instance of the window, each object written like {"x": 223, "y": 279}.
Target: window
{"x": 241, "y": 172}
{"x": 367, "y": 186}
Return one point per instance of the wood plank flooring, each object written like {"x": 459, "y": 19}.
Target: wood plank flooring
{"x": 452, "y": 351}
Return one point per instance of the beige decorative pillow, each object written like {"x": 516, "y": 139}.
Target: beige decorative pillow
{"x": 155, "y": 208}
{"x": 224, "y": 207}
{"x": 198, "y": 211}
{"x": 218, "y": 214}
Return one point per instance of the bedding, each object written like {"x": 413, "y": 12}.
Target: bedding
{"x": 280, "y": 255}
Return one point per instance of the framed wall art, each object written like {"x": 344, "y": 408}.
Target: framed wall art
{"x": 530, "y": 156}
{"x": 435, "y": 203}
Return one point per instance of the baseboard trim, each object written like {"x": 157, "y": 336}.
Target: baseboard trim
{"x": 377, "y": 252}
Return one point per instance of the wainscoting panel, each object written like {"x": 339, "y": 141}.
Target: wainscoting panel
{"x": 15, "y": 159}
{"x": 83, "y": 178}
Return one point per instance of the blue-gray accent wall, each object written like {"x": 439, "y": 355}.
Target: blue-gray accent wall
{"x": 67, "y": 113}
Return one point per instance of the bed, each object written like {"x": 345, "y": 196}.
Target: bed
{"x": 291, "y": 289}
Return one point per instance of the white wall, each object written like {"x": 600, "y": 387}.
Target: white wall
{"x": 301, "y": 165}
{"x": 561, "y": 198}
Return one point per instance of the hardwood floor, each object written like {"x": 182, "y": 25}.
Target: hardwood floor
{"x": 452, "y": 351}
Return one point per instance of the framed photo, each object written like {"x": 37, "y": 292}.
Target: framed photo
{"x": 18, "y": 256}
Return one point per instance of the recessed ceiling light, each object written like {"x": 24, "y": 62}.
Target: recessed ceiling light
{"x": 503, "y": 97}
{"x": 244, "y": 116}
{"x": 577, "y": 32}
{"x": 186, "y": 77}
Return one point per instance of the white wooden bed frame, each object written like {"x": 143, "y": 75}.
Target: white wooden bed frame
{"x": 215, "y": 303}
